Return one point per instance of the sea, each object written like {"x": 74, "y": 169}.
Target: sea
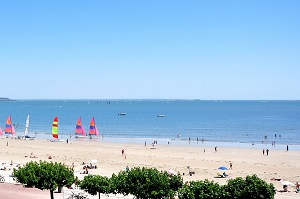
{"x": 222, "y": 123}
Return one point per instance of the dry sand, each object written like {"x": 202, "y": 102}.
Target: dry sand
{"x": 278, "y": 164}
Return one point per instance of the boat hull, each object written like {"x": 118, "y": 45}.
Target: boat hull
{"x": 57, "y": 140}
{"x": 80, "y": 136}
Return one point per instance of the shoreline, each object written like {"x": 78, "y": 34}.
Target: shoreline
{"x": 172, "y": 141}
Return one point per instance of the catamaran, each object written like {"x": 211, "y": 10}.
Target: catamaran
{"x": 9, "y": 128}
{"x": 94, "y": 133}
{"x": 79, "y": 131}
{"x": 26, "y": 133}
{"x": 55, "y": 131}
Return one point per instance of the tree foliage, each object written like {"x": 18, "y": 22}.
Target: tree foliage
{"x": 202, "y": 190}
{"x": 94, "y": 184}
{"x": 147, "y": 183}
{"x": 250, "y": 187}
{"x": 44, "y": 175}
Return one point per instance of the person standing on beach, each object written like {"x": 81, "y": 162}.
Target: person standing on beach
{"x": 263, "y": 151}
{"x": 267, "y": 151}
{"x": 122, "y": 152}
{"x": 230, "y": 164}
{"x": 215, "y": 148}
{"x": 287, "y": 147}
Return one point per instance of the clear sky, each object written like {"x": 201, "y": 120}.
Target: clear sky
{"x": 152, "y": 49}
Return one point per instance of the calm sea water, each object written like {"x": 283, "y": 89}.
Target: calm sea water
{"x": 240, "y": 123}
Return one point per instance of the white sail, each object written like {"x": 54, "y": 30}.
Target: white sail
{"x": 27, "y": 125}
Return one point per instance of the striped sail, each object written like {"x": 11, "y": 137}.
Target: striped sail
{"x": 9, "y": 127}
{"x": 79, "y": 128}
{"x": 93, "y": 128}
{"x": 55, "y": 128}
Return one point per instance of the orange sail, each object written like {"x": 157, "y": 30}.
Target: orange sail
{"x": 9, "y": 127}
{"x": 93, "y": 128}
{"x": 79, "y": 128}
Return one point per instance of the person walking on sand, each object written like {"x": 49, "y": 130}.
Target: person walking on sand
{"x": 263, "y": 151}
{"x": 267, "y": 151}
{"x": 287, "y": 147}
{"x": 122, "y": 152}
{"x": 230, "y": 164}
{"x": 215, "y": 148}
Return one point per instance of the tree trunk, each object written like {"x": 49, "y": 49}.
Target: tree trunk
{"x": 99, "y": 194}
{"x": 51, "y": 194}
{"x": 59, "y": 188}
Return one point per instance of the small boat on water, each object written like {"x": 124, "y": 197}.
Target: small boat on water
{"x": 79, "y": 131}
{"x": 93, "y": 133}
{"x": 55, "y": 131}
{"x": 122, "y": 114}
{"x": 26, "y": 133}
{"x": 9, "y": 128}
{"x": 160, "y": 115}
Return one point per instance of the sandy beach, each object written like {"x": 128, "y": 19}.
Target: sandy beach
{"x": 204, "y": 162}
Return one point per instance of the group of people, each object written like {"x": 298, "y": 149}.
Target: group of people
{"x": 267, "y": 151}
{"x": 87, "y": 167}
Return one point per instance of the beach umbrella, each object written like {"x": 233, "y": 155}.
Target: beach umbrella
{"x": 287, "y": 183}
{"x": 94, "y": 161}
{"x": 171, "y": 172}
{"x": 223, "y": 168}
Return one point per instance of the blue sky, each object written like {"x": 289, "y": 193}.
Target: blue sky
{"x": 160, "y": 49}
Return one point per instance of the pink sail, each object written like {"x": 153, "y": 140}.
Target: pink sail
{"x": 97, "y": 132}
{"x": 9, "y": 127}
{"x": 79, "y": 128}
{"x": 93, "y": 128}
{"x": 1, "y": 133}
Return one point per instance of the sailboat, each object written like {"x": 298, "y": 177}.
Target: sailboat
{"x": 79, "y": 131}
{"x": 55, "y": 131}
{"x": 9, "y": 128}
{"x": 26, "y": 133}
{"x": 94, "y": 133}
{"x": 1, "y": 132}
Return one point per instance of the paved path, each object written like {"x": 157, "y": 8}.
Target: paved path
{"x": 17, "y": 191}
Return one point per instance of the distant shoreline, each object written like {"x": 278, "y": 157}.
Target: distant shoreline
{"x": 6, "y": 99}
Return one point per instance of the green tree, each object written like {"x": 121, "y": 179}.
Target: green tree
{"x": 250, "y": 187}
{"x": 44, "y": 175}
{"x": 94, "y": 184}
{"x": 202, "y": 190}
{"x": 147, "y": 183}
